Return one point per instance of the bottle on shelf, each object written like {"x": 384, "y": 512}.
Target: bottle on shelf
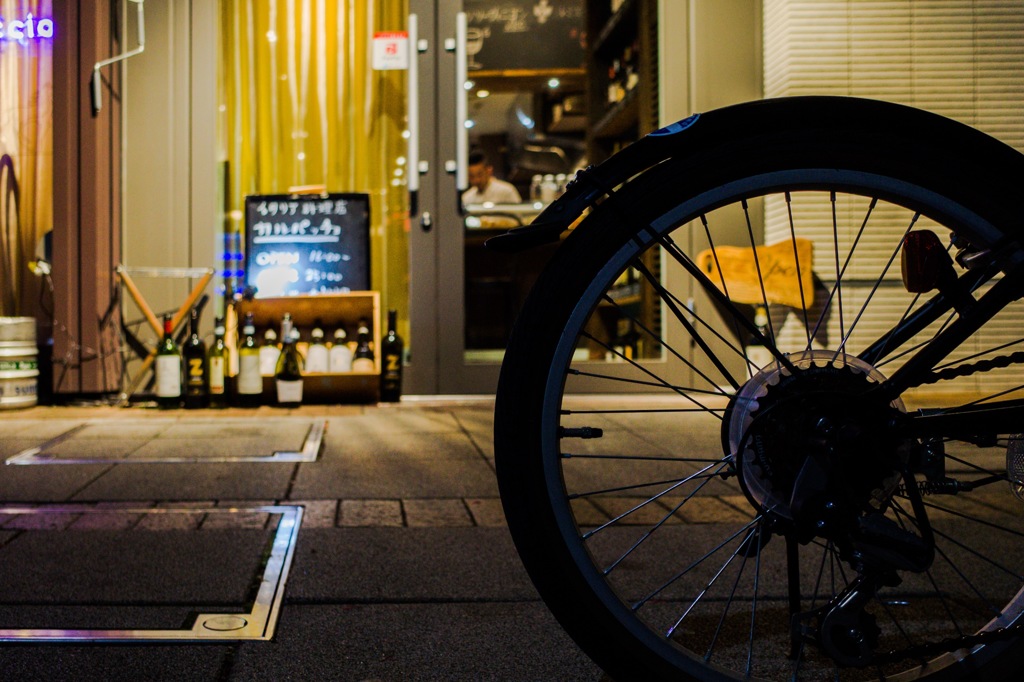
{"x": 391, "y": 348}
{"x": 216, "y": 366}
{"x": 249, "y": 386}
{"x": 340, "y": 356}
{"x": 317, "y": 357}
{"x": 758, "y": 357}
{"x": 535, "y": 184}
{"x": 362, "y": 359}
{"x": 269, "y": 353}
{"x": 168, "y": 369}
{"x": 288, "y": 373}
{"x": 548, "y": 189}
{"x": 194, "y": 353}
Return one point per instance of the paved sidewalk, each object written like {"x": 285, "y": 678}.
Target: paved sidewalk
{"x": 140, "y": 519}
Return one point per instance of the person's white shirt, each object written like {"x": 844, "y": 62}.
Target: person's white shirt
{"x": 496, "y": 192}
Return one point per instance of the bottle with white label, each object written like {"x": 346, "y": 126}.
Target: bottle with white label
{"x": 317, "y": 357}
{"x": 269, "y": 353}
{"x": 249, "y": 387}
{"x": 288, "y": 373}
{"x": 168, "y": 369}
{"x": 340, "y": 356}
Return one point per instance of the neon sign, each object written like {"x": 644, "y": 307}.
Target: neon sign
{"x": 29, "y": 27}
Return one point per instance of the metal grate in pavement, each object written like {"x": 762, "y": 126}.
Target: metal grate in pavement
{"x": 42, "y": 454}
{"x": 255, "y": 621}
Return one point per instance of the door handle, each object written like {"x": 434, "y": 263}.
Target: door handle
{"x": 426, "y": 221}
{"x": 413, "y": 117}
{"x": 461, "y": 106}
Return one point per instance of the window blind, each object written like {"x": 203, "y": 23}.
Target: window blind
{"x": 962, "y": 59}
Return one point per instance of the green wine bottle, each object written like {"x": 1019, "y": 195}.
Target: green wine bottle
{"x": 168, "y": 369}
{"x": 288, "y": 375}
{"x": 249, "y": 387}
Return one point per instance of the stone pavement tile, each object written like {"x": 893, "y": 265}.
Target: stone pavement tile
{"x": 370, "y": 513}
{"x": 633, "y": 511}
{"x": 446, "y": 513}
{"x": 292, "y": 430}
{"x": 239, "y": 519}
{"x": 110, "y": 516}
{"x": 705, "y": 509}
{"x": 41, "y": 521}
{"x": 212, "y": 448}
{"x": 317, "y": 513}
{"x": 587, "y": 514}
{"x": 486, "y": 511}
{"x": 196, "y": 481}
{"x": 739, "y": 503}
{"x": 347, "y": 471}
{"x": 175, "y": 520}
{"x": 42, "y": 430}
{"x": 92, "y": 663}
{"x": 114, "y": 447}
{"x": 116, "y": 429}
{"x": 416, "y": 642}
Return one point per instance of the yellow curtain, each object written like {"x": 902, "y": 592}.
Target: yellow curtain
{"x": 26, "y": 145}
{"x": 301, "y": 105}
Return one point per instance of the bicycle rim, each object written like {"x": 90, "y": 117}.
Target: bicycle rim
{"x": 656, "y": 506}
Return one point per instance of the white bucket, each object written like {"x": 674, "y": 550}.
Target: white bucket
{"x": 19, "y": 362}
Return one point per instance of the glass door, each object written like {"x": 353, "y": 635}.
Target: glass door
{"x": 494, "y": 116}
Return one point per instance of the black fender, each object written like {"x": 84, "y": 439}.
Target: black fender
{"x": 749, "y": 120}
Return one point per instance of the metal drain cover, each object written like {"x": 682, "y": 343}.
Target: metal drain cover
{"x": 258, "y": 623}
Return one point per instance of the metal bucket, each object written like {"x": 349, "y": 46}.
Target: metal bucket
{"x": 19, "y": 362}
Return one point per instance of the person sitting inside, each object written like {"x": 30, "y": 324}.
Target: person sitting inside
{"x": 484, "y": 188}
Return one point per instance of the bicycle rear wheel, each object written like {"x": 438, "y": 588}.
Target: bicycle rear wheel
{"x": 697, "y": 515}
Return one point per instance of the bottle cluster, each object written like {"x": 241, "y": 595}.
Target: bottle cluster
{"x": 623, "y": 74}
{"x": 547, "y": 188}
{"x": 194, "y": 377}
{"x": 191, "y": 376}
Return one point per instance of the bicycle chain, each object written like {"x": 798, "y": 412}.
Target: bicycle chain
{"x": 949, "y": 373}
{"x": 951, "y": 644}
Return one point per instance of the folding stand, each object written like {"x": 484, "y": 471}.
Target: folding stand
{"x": 204, "y": 275}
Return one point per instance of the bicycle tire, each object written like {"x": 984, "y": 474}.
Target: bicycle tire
{"x": 949, "y": 174}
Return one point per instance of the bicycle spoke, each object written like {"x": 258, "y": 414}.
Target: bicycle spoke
{"x": 637, "y": 486}
{"x": 704, "y": 590}
{"x": 651, "y": 500}
{"x": 878, "y": 282}
{"x": 680, "y": 390}
{"x": 757, "y": 265}
{"x": 708, "y": 287}
{"x": 799, "y": 274}
{"x": 732, "y": 597}
{"x": 642, "y": 458}
{"x": 660, "y": 340}
{"x": 671, "y": 581}
{"x": 753, "y": 607}
{"x": 721, "y": 274}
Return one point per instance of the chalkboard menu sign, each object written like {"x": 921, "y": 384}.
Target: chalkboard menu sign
{"x": 508, "y": 35}
{"x": 307, "y": 245}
